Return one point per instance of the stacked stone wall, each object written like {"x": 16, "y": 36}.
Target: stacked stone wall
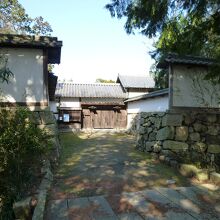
{"x": 46, "y": 120}
{"x": 186, "y": 137}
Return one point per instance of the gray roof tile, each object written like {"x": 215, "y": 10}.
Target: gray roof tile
{"x": 29, "y": 40}
{"x": 136, "y": 81}
{"x": 193, "y": 60}
{"x": 92, "y": 90}
{"x": 52, "y": 44}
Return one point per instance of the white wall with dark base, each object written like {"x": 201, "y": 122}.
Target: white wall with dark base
{"x": 157, "y": 104}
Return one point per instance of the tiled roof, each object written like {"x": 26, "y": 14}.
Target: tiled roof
{"x": 26, "y": 40}
{"x": 52, "y": 44}
{"x": 135, "y": 81}
{"x": 193, "y": 60}
{"x": 115, "y": 102}
{"x": 92, "y": 90}
{"x": 162, "y": 92}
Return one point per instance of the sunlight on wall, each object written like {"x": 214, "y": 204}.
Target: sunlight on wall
{"x": 190, "y": 89}
{"x": 149, "y": 105}
{"x": 28, "y": 83}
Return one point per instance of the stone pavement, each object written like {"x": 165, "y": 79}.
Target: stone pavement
{"x": 155, "y": 204}
{"x": 100, "y": 164}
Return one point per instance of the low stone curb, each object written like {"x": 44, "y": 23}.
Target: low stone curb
{"x": 22, "y": 209}
{"x": 43, "y": 190}
{"x": 39, "y": 209}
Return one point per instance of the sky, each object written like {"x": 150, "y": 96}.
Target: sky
{"x": 95, "y": 45}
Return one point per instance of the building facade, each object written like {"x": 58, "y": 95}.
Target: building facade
{"x": 27, "y": 58}
{"x": 91, "y": 106}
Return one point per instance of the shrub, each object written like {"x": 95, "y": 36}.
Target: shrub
{"x": 22, "y": 147}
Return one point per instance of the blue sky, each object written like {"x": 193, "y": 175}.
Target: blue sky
{"x": 94, "y": 44}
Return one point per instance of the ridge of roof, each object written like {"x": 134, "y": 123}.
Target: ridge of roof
{"x": 142, "y": 76}
{"x": 29, "y": 40}
{"x": 98, "y": 84}
{"x": 52, "y": 44}
{"x": 186, "y": 59}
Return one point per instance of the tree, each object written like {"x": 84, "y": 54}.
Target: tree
{"x": 99, "y": 80}
{"x": 15, "y": 20}
{"x": 181, "y": 26}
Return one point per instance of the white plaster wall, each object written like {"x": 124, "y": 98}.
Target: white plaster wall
{"x": 53, "y": 106}
{"x": 70, "y": 103}
{"x": 133, "y": 94}
{"x": 191, "y": 90}
{"x": 158, "y": 104}
{"x": 132, "y": 120}
{"x": 27, "y": 85}
{"x": 148, "y": 105}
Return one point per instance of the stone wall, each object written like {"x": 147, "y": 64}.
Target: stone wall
{"x": 133, "y": 122}
{"x": 45, "y": 120}
{"x": 186, "y": 137}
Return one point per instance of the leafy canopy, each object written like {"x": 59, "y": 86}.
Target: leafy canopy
{"x": 181, "y": 26}
{"x": 15, "y": 20}
{"x": 99, "y": 80}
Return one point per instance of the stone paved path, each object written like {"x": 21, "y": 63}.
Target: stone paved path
{"x": 101, "y": 176}
{"x": 100, "y": 163}
{"x": 157, "y": 204}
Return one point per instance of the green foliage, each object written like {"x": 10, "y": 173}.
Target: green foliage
{"x": 22, "y": 146}
{"x": 5, "y": 72}
{"x": 99, "y": 80}
{"x": 184, "y": 27}
{"x": 160, "y": 77}
{"x": 15, "y": 20}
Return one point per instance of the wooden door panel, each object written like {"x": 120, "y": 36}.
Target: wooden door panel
{"x": 96, "y": 119}
{"x": 120, "y": 119}
{"x": 105, "y": 119}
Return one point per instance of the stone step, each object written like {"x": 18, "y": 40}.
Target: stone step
{"x": 182, "y": 203}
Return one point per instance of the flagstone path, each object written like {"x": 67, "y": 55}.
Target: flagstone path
{"x": 160, "y": 203}
{"x": 101, "y": 176}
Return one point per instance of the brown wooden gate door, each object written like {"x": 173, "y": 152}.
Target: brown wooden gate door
{"x": 120, "y": 119}
{"x": 104, "y": 119}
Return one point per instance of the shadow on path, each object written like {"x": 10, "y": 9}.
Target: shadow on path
{"x": 102, "y": 176}
{"x": 97, "y": 164}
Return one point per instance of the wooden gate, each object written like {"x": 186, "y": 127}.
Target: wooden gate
{"x": 104, "y": 118}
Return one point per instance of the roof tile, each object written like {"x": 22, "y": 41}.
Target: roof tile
{"x": 187, "y": 59}
{"x": 136, "y": 81}
{"x": 92, "y": 90}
